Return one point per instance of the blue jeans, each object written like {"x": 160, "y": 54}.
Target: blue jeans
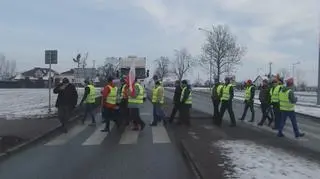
{"x": 158, "y": 113}
{"x": 292, "y": 116}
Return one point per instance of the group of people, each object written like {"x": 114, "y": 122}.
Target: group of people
{"x": 182, "y": 100}
{"x": 118, "y": 104}
{"x": 277, "y": 103}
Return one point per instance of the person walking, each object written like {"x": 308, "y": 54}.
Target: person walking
{"x": 215, "y": 97}
{"x": 249, "y": 100}
{"x": 109, "y": 104}
{"x": 135, "y": 102}
{"x": 226, "y": 103}
{"x": 274, "y": 93}
{"x": 157, "y": 102}
{"x": 124, "y": 112}
{"x": 287, "y": 108}
{"x": 185, "y": 103}
{"x": 176, "y": 100}
{"x": 264, "y": 97}
{"x": 66, "y": 101}
{"x": 89, "y": 98}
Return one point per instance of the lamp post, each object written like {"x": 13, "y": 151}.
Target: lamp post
{"x": 210, "y": 61}
{"x": 318, "y": 89}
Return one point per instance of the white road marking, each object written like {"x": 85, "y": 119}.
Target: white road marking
{"x": 97, "y": 137}
{"x": 160, "y": 135}
{"x": 129, "y": 136}
{"x": 64, "y": 138}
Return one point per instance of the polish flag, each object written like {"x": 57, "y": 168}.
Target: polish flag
{"x": 131, "y": 78}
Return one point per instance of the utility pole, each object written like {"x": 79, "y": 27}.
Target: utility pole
{"x": 318, "y": 90}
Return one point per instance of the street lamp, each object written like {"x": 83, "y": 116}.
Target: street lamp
{"x": 293, "y": 67}
{"x": 210, "y": 61}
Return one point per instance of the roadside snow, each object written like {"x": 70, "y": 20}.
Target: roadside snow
{"x": 28, "y": 103}
{"x": 250, "y": 160}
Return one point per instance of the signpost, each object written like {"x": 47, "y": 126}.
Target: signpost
{"x": 51, "y": 57}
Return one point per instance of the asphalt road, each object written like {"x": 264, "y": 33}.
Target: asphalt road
{"x": 202, "y": 102}
{"x": 86, "y": 153}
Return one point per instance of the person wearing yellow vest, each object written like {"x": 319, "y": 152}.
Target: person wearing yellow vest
{"x": 124, "y": 112}
{"x": 226, "y": 102}
{"x": 135, "y": 102}
{"x": 185, "y": 103}
{"x": 157, "y": 102}
{"x": 89, "y": 99}
{"x": 287, "y": 108}
{"x": 109, "y": 104}
{"x": 215, "y": 97}
{"x": 249, "y": 100}
{"x": 274, "y": 93}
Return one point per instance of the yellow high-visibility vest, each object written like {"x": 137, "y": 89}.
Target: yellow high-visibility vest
{"x": 139, "y": 98}
{"x": 226, "y": 92}
{"x": 112, "y": 97}
{"x": 274, "y": 93}
{"x": 248, "y": 93}
{"x": 189, "y": 100}
{"x": 91, "y": 98}
{"x": 285, "y": 104}
{"x": 155, "y": 95}
{"x": 219, "y": 89}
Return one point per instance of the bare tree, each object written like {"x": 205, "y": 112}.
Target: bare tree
{"x": 12, "y": 69}
{"x": 162, "y": 68}
{"x": 182, "y": 63}
{"x": 110, "y": 67}
{"x": 221, "y": 51}
{"x": 299, "y": 77}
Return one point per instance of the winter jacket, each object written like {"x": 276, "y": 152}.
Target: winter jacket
{"x": 67, "y": 95}
{"x": 264, "y": 95}
{"x": 177, "y": 94}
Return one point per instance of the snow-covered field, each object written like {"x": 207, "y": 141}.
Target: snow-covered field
{"x": 28, "y": 103}
{"x": 250, "y": 160}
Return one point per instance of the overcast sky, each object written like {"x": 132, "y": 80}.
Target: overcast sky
{"x": 281, "y": 31}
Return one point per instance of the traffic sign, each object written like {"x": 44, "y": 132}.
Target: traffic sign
{"x": 51, "y": 57}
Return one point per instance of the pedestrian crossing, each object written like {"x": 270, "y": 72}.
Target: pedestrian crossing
{"x": 96, "y": 137}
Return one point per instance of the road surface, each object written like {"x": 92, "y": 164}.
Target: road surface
{"x": 202, "y": 102}
{"x": 86, "y": 153}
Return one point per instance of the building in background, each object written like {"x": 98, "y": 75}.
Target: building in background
{"x": 78, "y": 75}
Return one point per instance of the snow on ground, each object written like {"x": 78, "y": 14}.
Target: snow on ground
{"x": 250, "y": 160}
{"x": 28, "y": 103}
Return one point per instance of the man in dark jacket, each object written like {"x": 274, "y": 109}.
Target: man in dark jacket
{"x": 66, "y": 101}
{"x": 176, "y": 100}
{"x": 265, "y": 100}
{"x": 249, "y": 100}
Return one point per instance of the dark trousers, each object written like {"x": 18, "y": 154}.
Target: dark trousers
{"x": 89, "y": 109}
{"x": 135, "y": 116}
{"x": 224, "y": 106}
{"x": 124, "y": 111}
{"x": 64, "y": 113}
{"x": 109, "y": 114}
{"x": 292, "y": 116}
{"x": 265, "y": 109}
{"x": 216, "y": 114}
{"x": 184, "y": 114}
{"x": 277, "y": 115}
{"x": 248, "y": 104}
{"x": 174, "y": 111}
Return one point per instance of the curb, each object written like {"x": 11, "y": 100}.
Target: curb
{"x": 190, "y": 159}
{"x": 34, "y": 140}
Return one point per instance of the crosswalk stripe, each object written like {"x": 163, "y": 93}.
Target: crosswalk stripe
{"x": 97, "y": 137}
{"x": 64, "y": 138}
{"x": 129, "y": 136}
{"x": 160, "y": 135}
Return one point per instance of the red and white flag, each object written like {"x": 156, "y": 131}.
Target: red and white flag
{"x": 131, "y": 78}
